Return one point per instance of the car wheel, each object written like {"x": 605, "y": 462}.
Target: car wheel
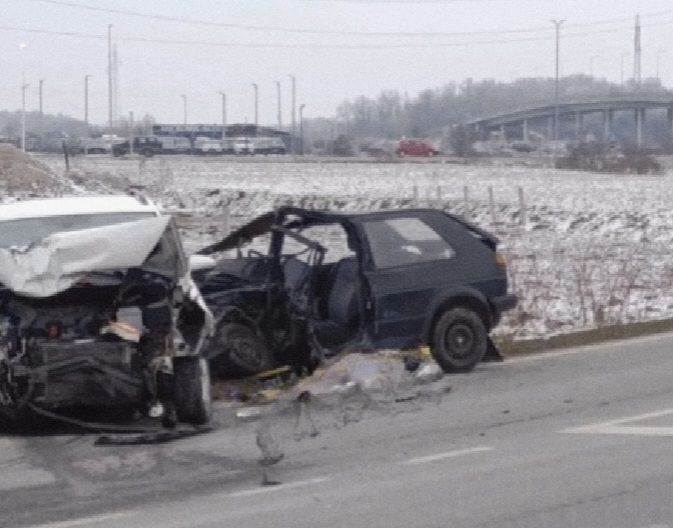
{"x": 240, "y": 350}
{"x": 191, "y": 389}
{"x": 459, "y": 340}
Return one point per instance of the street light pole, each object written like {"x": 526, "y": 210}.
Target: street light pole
{"x": 256, "y": 93}
{"x": 86, "y": 99}
{"x": 184, "y": 108}
{"x": 659, "y": 52}
{"x": 557, "y": 26}
{"x": 301, "y": 128}
{"x": 280, "y": 107}
{"x": 224, "y": 114}
{"x": 24, "y": 86}
{"x": 42, "y": 85}
{"x": 293, "y": 114}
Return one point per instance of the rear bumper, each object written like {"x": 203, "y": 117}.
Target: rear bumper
{"x": 504, "y": 303}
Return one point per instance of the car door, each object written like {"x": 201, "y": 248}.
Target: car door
{"x": 408, "y": 263}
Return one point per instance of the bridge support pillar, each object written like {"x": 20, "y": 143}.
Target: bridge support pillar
{"x": 579, "y": 124}
{"x": 640, "y": 123}
{"x": 608, "y": 118}
{"x": 503, "y": 132}
{"x": 524, "y": 126}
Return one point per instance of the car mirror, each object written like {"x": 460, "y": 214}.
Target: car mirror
{"x": 201, "y": 262}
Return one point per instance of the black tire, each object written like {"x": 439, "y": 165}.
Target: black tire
{"x": 191, "y": 389}
{"x": 459, "y": 340}
{"x": 237, "y": 350}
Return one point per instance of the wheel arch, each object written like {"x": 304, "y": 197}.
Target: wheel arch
{"x": 474, "y": 301}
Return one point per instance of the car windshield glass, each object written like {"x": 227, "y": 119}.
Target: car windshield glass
{"x": 27, "y": 231}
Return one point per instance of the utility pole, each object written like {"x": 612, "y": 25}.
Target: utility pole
{"x": 42, "y": 85}
{"x": 293, "y": 114}
{"x": 86, "y": 98}
{"x": 224, "y": 114}
{"x": 659, "y": 52}
{"x": 184, "y": 108}
{"x": 256, "y": 94}
{"x": 280, "y": 107}
{"x": 109, "y": 74}
{"x": 637, "y": 72}
{"x": 24, "y": 86}
{"x": 131, "y": 133}
{"x": 557, "y": 26}
{"x": 301, "y": 128}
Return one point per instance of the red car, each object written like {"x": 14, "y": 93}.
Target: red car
{"x": 415, "y": 147}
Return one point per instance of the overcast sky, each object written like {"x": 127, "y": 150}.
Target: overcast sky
{"x": 333, "y": 61}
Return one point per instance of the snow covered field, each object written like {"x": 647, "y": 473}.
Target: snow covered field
{"x": 594, "y": 249}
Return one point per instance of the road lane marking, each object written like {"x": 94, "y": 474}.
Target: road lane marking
{"x": 85, "y": 521}
{"x": 268, "y": 489}
{"x": 449, "y": 454}
{"x": 617, "y": 427}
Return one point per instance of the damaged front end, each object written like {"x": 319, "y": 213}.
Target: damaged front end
{"x": 103, "y": 317}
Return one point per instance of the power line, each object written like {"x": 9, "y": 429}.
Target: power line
{"x": 209, "y": 23}
{"x": 307, "y": 46}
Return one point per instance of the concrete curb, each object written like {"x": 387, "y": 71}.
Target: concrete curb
{"x": 511, "y": 348}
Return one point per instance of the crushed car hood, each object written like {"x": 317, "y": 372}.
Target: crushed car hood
{"x": 62, "y": 259}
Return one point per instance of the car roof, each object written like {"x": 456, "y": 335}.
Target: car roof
{"x": 76, "y": 205}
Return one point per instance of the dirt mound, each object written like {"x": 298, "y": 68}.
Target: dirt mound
{"x": 22, "y": 176}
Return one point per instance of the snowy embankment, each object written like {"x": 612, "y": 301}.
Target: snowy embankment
{"x": 590, "y": 250}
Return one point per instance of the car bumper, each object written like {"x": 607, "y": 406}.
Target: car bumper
{"x": 504, "y": 303}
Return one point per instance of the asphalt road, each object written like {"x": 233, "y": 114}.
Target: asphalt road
{"x": 577, "y": 438}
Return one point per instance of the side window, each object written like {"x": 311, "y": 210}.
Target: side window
{"x": 401, "y": 241}
{"x": 332, "y": 236}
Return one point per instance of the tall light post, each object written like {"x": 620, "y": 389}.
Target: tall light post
{"x": 621, "y": 67}
{"x": 301, "y": 128}
{"x": 41, "y": 86}
{"x": 557, "y": 27}
{"x": 224, "y": 114}
{"x": 659, "y": 52}
{"x": 86, "y": 98}
{"x": 24, "y": 87}
{"x": 184, "y": 108}
{"x": 280, "y": 107}
{"x": 293, "y": 106}
{"x": 256, "y": 95}
{"x": 109, "y": 76}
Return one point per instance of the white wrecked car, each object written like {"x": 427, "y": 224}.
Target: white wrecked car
{"x": 97, "y": 308}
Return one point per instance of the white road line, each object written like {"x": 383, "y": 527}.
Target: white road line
{"x": 280, "y": 487}
{"x": 85, "y": 521}
{"x": 617, "y": 427}
{"x": 449, "y": 454}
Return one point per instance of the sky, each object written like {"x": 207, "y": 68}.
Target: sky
{"x": 336, "y": 49}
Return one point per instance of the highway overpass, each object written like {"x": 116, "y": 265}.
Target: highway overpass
{"x": 576, "y": 111}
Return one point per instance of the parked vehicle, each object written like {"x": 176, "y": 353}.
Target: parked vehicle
{"x": 385, "y": 279}
{"x": 204, "y": 145}
{"x": 175, "y": 145}
{"x": 415, "y": 147}
{"x": 268, "y": 145}
{"x": 243, "y": 145}
{"x": 98, "y": 308}
{"x": 143, "y": 145}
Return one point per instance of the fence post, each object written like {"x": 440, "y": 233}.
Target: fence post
{"x": 226, "y": 221}
{"x": 439, "y": 193}
{"x": 416, "y": 195}
{"x": 466, "y": 198}
{"x": 491, "y": 204}
{"x": 522, "y": 207}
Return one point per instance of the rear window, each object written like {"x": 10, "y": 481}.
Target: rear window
{"x": 403, "y": 241}
{"x": 27, "y": 231}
